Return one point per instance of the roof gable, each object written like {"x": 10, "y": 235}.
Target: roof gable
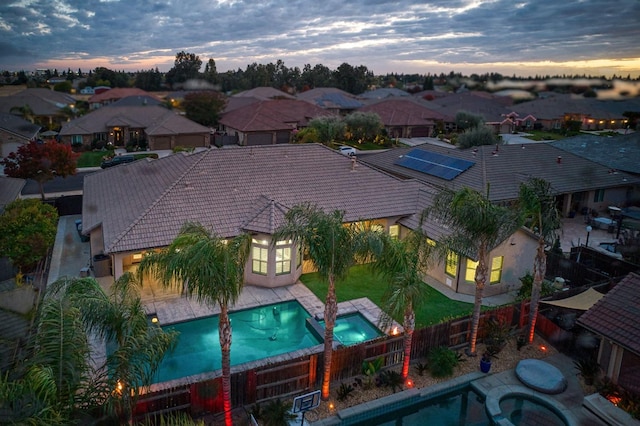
{"x": 617, "y": 315}
{"x": 271, "y": 115}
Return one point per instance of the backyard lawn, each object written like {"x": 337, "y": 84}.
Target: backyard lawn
{"x": 362, "y": 282}
{"x": 94, "y": 158}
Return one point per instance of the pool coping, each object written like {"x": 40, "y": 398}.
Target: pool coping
{"x": 372, "y": 409}
{"x": 498, "y": 393}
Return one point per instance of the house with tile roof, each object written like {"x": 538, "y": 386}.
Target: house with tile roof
{"x": 332, "y": 99}
{"x": 113, "y": 95}
{"x": 616, "y": 320}
{"x": 267, "y": 122}
{"x": 141, "y": 206}
{"x": 405, "y": 117}
{"x": 553, "y": 111}
{"x": 578, "y": 182}
{"x": 46, "y": 105}
{"x": 15, "y": 132}
{"x": 119, "y": 125}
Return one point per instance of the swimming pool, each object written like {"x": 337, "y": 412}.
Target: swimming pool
{"x": 258, "y": 333}
{"x": 351, "y": 329}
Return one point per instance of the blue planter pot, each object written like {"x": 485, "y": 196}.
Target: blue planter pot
{"x": 485, "y": 366}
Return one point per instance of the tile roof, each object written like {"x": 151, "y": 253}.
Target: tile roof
{"x": 18, "y": 126}
{"x": 384, "y": 92}
{"x": 330, "y": 98}
{"x": 43, "y": 102}
{"x": 118, "y": 93}
{"x": 144, "y": 204}
{"x": 10, "y": 189}
{"x": 403, "y": 112}
{"x": 493, "y": 108}
{"x": 616, "y": 316}
{"x": 264, "y": 93}
{"x": 619, "y": 152}
{"x": 156, "y": 119}
{"x": 505, "y": 169}
{"x": 271, "y": 115}
{"x": 556, "y": 106}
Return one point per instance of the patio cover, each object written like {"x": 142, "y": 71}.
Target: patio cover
{"x": 582, "y": 301}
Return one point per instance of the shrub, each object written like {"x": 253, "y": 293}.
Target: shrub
{"x": 442, "y": 361}
{"x": 498, "y": 332}
{"x": 524, "y": 292}
{"x": 392, "y": 379}
{"x": 421, "y": 368}
{"x": 344, "y": 391}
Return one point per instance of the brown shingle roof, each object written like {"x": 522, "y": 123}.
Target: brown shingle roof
{"x": 505, "y": 169}
{"x": 404, "y": 111}
{"x": 616, "y": 316}
{"x": 118, "y": 93}
{"x": 271, "y": 115}
{"x": 144, "y": 204}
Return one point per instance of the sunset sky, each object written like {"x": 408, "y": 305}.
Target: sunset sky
{"x": 522, "y": 37}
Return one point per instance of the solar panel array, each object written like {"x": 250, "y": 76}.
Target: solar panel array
{"x": 434, "y": 164}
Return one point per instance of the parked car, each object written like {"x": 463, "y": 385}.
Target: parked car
{"x": 118, "y": 159}
{"x": 347, "y": 150}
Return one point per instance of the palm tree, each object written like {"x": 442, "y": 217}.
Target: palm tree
{"x": 24, "y": 111}
{"x": 403, "y": 263}
{"x": 211, "y": 269}
{"x": 540, "y": 211}
{"x": 333, "y": 248}
{"x": 475, "y": 226}
{"x": 59, "y": 382}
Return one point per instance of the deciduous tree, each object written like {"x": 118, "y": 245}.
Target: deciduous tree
{"x": 204, "y": 107}
{"x": 41, "y": 161}
{"x": 27, "y": 231}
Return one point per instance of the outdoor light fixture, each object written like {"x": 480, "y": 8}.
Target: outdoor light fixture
{"x": 589, "y": 229}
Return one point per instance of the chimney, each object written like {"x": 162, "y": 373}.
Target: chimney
{"x": 559, "y": 159}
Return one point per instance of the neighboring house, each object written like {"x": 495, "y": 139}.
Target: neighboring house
{"x": 406, "y": 117}
{"x": 332, "y": 99}
{"x": 578, "y": 182}
{"x": 268, "y": 122}
{"x": 620, "y": 153}
{"x": 250, "y": 189}
{"x": 121, "y": 125}
{"x": 46, "y": 105}
{"x": 495, "y": 110}
{"x": 15, "y": 132}
{"x": 553, "y": 111}
{"x": 264, "y": 93}
{"x": 389, "y": 92}
{"x": 113, "y": 95}
{"x": 616, "y": 319}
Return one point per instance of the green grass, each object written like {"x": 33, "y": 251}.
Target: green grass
{"x": 94, "y": 158}
{"x": 362, "y": 282}
{"x": 542, "y": 135}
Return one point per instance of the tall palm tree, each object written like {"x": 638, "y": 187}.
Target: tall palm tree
{"x": 475, "y": 226}
{"x": 333, "y": 248}
{"x": 212, "y": 270}
{"x": 24, "y": 111}
{"x": 404, "y": 263}
{"x": 59, "y": 381}
{"x": 538, "y": 205}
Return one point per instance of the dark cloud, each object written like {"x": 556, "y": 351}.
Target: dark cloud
{"x": 376, "y": 33}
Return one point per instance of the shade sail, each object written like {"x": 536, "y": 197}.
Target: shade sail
{"x": 582, "y": 301}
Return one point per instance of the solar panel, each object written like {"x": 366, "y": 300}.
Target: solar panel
{"x": 434, "y": 164}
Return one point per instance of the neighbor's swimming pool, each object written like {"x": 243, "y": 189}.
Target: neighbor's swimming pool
{"x": 258, "y": 333}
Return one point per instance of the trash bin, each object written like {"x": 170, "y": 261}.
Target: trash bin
{"x": 101, "y": 265}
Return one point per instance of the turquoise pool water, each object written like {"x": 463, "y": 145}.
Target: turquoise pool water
{"x": 461, "y": 407}
{"x": 353, "y": 328}
{"x": 521, "y": 410}
{"x": 258, "y": 333}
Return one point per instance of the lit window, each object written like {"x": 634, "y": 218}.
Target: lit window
{"x": 451, "y": 267}
{"x": 283, "y": 260}
{"x": 431, "y": 242}
{"x": 137, "y": 257}
{"x": 496, "y": 270}
{"x": 260, "y": 257}
{"x": 394, "y": 231}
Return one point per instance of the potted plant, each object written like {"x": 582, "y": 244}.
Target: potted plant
{"x": 485, "y": 362}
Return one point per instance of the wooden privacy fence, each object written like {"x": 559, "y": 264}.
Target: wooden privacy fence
{"x": 292, "y": 377}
